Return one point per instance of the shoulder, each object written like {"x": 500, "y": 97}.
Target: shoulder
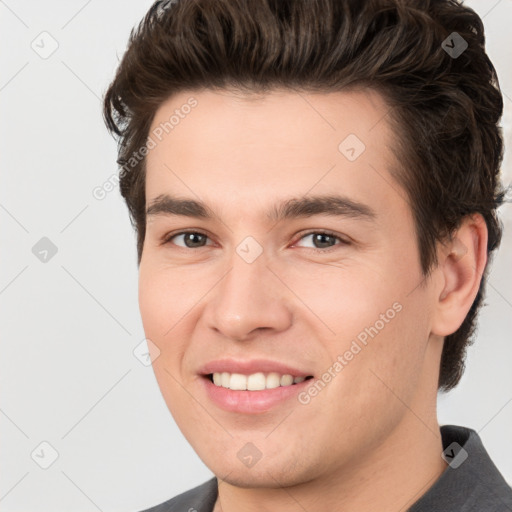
{"x": 470, "y": 482}
{"x": 199, "y": 499}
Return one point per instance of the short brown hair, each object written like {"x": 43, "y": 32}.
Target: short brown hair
{"x": 445, "y": 107}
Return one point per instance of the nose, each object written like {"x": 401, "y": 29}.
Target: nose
{"x": 249, "y": 299}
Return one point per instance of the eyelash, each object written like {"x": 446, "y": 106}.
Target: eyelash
{"x": 167, "y": 239}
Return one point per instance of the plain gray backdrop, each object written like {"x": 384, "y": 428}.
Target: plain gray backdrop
{"x": 74, "y": 397}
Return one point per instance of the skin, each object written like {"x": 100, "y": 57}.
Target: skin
{"x": 374, "y": 424}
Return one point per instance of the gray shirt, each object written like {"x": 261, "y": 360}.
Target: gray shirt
{"x": 471, "y": 482}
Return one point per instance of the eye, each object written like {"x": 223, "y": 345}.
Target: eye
{"x": 324, "y": 241}
{"x": 190, "y": 239}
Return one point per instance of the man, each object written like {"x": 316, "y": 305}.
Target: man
{"x": 314, "y": 185}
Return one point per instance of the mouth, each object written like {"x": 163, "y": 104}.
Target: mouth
{"x": 258, "y": 381}
{"x": 253, "y": 393}
{"x": 252, "y": 386}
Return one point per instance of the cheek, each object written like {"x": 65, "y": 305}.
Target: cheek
{"x": 367, "y": 315}
{"x": 154, "y": 297}
{"x": 343, "y": 299}
{"x": 384, "y": 361}
{"x": 162, "y": 306}
{"x": 163, "y": 303}
{"x": 165, "y": 297}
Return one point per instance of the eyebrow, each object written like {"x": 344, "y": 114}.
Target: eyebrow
{"x": 332, "y": 205}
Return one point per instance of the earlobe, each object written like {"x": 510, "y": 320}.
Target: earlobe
{"x": 462, "y": 262}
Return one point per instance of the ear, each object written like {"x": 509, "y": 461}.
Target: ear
{"x": 461, "y": 265}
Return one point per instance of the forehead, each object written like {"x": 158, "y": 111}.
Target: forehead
{"x": 256, "y": 148}
{"x": 275, "y": 117}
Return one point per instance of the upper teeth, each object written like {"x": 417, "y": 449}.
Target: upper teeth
{"x": 255, "y": 381}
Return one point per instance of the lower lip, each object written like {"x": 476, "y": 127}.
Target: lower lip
{"x": 251, "y": 402}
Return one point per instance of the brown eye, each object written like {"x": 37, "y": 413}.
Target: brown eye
{"x": 323, "y": 240}
{"x": 189, "y": 239}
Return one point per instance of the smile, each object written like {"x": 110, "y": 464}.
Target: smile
{"x": 255, "y": 381}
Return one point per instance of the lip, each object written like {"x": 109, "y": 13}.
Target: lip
{"x": 251, "y": 366}
{"x": 250, "y": 402}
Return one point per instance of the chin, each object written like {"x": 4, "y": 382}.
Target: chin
{"x": 271, "y": 479}
{"x": 269, "y": 473}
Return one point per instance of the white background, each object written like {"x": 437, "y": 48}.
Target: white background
{"x": 69, "y": 326}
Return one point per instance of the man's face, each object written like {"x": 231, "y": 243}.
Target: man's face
{"x": 253, "y": 294}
